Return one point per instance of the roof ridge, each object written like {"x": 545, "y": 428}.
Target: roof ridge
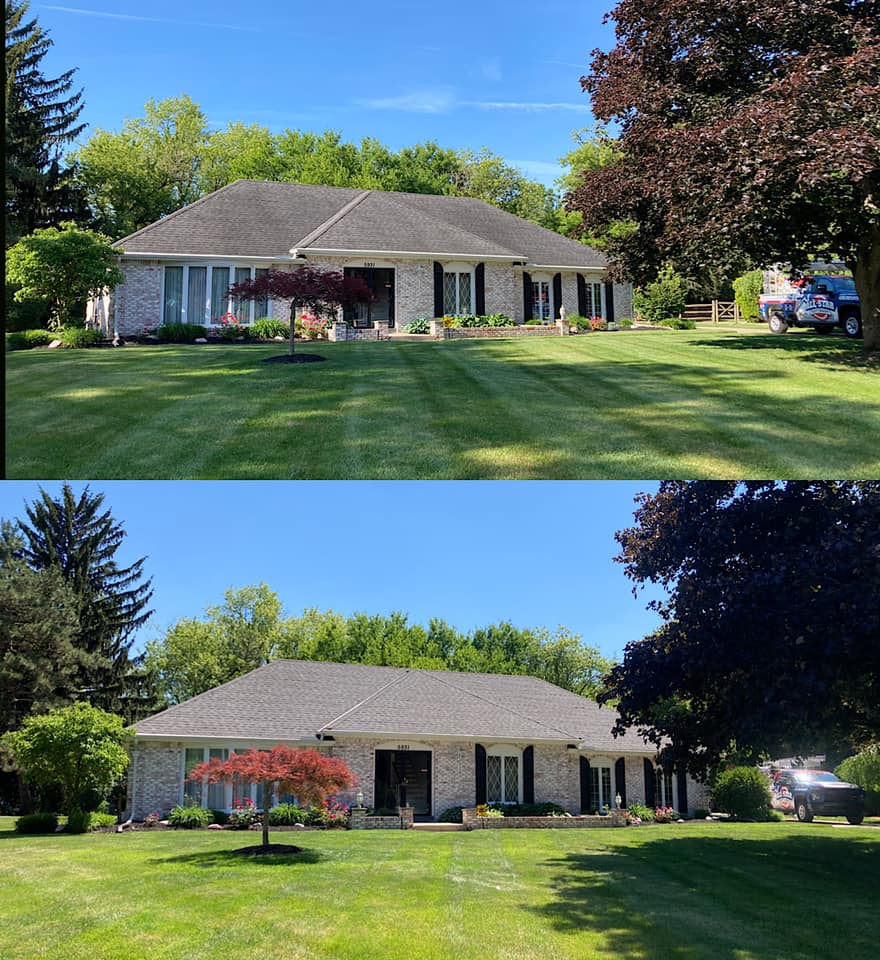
{"x": 500, "y": 706}
{"x": 179, "y": 210}
{"x": 448, "y": 223}
{"x": 322, "y": 228}
{"x": 373, "y": 695}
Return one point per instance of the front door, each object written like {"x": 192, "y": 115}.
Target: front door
{"x": 380, "y": 280}
{"x": 403, "y": 778}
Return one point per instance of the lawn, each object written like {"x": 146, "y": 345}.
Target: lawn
{"x": 707, "y": 403}
{"x": 679, "y": 892}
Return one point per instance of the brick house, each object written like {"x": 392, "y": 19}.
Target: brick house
{"x": 429, "y": 739}
{"x": 422, "y": 255}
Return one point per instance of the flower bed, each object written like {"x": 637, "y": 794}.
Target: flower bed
{"x": 617, "y": 818}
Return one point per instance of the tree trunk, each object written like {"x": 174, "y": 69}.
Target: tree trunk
{"x": 866, "y": 272}
{"x": 292, "y": 326}
{"x": 267, "y": 787}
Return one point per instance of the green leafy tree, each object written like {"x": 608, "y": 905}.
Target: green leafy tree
{"x": 747, "y": 290}
{"x": 62, "y": 268}
{"x": 80, "y": 748}
{"x": 768, "y": 640}
{"x": 41, "y": 118}
{"x": 241, "y": 634}
{"x": 78, "y": 539}
{"x": 238, "y": 152}
{"x": 749, "y": 131}
{"x": 665, "y": 297}
{"x": 147, "y": 170}
{"x": 864, "y": 770}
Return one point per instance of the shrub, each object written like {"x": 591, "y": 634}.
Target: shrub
{"x": 743, "y": 792}
{"x": 530, "y": 809}
{"x": 267, "y": 328}
{"x": 663, "y": 298}
{"x": 533, "y": 323}
{"x": 485, "y": 320}
{"x": 494, "y": 813}
{"x": 450, "y": 815}
{"x": 180, "y": 332}
{"x": 78, "y": 821}
{"x": 220, "y": 816}
{"x": 287, "y": 814}
{"x": 189, "y": 818}
{"x": 700, "y": 813}
{"x": 863, "y": 769}
{"x": 36, "y": 823}
{"x": 666, "y": 815}
{"x": 153, "y": 819}
{"x": 244, "y": 814}
{"x": 28, "y": 339}
{"x": 577, "y": 322}
{"x": 80, "y": 337}
{"x": 419, "y": 325}
{"x": 597, "y": 323}
{"x": 331, "y": 813}
{"x": 310, "y": 327}
{"x": 232, "y": 331}
{"x": 678, "y": 323}
{"x": 638, "y": 811}
{"x": 746, "y": 290}
{"x": 98, "y": 819}
{"x": 625, "y": 324}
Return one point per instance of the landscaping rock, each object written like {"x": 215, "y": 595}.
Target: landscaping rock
{"x": 54, "y": 344}
{"x": 200, "y": 340}
{"x": 214, "y": 826}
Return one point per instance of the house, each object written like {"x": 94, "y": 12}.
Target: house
{"x": 422, "y": 256}
{"x": 429, "y": 739}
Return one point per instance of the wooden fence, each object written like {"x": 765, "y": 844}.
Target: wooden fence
{"x": 714, "y": 312}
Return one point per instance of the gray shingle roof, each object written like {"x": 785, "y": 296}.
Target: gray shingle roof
{"x": 254, "y": 218}
{"x": 293, "y": 700}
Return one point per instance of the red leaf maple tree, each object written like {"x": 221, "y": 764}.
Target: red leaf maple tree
{"x": 308, "y": 775}
{"x": 306, "y": 288}
{"x": 749, "y": 131}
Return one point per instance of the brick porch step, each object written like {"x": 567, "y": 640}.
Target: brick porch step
{"x": 439, "y": 827}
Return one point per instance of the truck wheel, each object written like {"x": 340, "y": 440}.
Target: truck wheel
{"x": 852, "y": 325}
{"x": 803, "y": 811}
{"x": 777, "y": 323}
{"x": 855, "y": 817}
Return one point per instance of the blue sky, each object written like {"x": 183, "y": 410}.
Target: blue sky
{"x": 534, "y": 553}
{"x": 465, "y": 74}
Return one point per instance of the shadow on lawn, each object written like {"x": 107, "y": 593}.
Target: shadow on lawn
{"x": 725, "y": 898}
{"x": 218, "y": 858}
{"x": 830, "y": 350}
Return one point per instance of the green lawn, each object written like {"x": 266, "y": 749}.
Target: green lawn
{"x": 680, "y": 892}
{"x": 707, "y": 403}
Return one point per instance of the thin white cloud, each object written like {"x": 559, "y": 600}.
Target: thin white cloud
{"x": 565, "y": 63}
{"x": 80, "y": 11}
{"x": 527, "y": 107}
{"x": 444, "y": 101}
{"x": 421, "y": 101}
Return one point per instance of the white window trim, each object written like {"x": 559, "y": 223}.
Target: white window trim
{"x": 206, "y": 318}
{"x": 660, "y": 774}
{"x": 603, "y": 761}
{"x": 471, "y": 270}
{"x": 506, "y": 750}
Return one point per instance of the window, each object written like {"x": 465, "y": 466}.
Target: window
{"x": 217, "y": 791}
{"x": 663, "y": 795}
{"x": 458, "y": 282}
{"x": 192, "y": 789}
{"x": 593, "y": 294}
{"x": 503, "y": 775}
{"x": 602, "y": 785}
{"x": 542, "y": 300}
{"x": 198, "y": 293}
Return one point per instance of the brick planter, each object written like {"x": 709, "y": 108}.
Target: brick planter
{"x": 617, "y": 818}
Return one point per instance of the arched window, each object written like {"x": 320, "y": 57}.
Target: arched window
{"x": 503, "y": 775}
{"x": 664, "y": 787}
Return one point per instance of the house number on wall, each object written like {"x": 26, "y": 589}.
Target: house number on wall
{"x": 366, "y": 264}
{"x": 403, "y": 746}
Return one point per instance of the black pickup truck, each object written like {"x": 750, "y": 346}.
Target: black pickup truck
{"x": 811, "y": 792}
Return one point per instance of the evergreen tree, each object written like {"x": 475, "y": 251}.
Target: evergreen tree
{"x": 80, "y": 540}
{"x": 41, "y": 117}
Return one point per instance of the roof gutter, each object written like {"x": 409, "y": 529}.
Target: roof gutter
{"x": 222, "y": 257}
{"x": 404, "y": 254}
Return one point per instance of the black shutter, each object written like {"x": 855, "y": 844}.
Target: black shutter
{"x": 682, "y": 792}
{"x": 620, "y": 779}
{"x": 480, "y": 284}
{"x": 582, "y": 296}
{"x": 649, "y": 784}
{"x": 529, "y": 775}
{"x": 527, "y": 296}
{"x": 609, "y": 302}
{"x": 557, "y": 294}
{"x": 585, "y": 785}
{"x": 480, "y": 765}
{"x": 438, "y": 289}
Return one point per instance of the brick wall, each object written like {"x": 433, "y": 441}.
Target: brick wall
{"x": 154, "y": 779}
{"x": 138, "y": 301}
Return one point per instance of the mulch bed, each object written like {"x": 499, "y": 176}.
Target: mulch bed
{"x": 296, "y": 358}
{"x": 273, "y": 849}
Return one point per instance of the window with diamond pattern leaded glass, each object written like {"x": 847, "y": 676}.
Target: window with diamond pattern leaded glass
{"x": 464, "y": 293}
{"x": 511, "y": 779}
{"x": 493, "y": 780}
{"x": 450, "y": 291}
{"x": 457, "y": 292}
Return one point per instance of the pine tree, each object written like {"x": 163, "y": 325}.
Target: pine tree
{"x": 77, "y": 538}
{"x": 41, "y": 117}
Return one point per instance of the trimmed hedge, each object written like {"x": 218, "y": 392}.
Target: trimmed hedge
{"x": 180, "y": 332}
{"x": 36, "y": 823}
{"x": 743, "y": 792}
{"x": 28, "y": 339}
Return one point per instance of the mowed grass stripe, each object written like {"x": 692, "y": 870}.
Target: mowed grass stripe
{"x": 701, "y": 404}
